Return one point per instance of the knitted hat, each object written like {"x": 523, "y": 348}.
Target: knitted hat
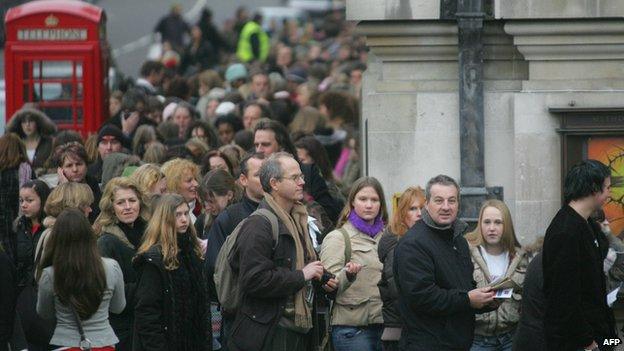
{"x": 114, "y": 131}
{"x": 235, "y": 71}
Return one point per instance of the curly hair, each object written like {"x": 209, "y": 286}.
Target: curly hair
{"x": 174, "y": 171}
{"x": 107, "y": 212}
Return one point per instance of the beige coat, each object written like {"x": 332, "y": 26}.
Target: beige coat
{"x": 506, "y": 317}
{"x": 358, "y": 303}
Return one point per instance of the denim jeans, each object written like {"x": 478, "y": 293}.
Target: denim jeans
{"x": 501, "y": 342}
{"x": 347, "y": 338}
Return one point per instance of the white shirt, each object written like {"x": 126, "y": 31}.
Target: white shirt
{"x": 191, "y": 214}
{"x": 31, "y": 154}
{"x": 497, "y": 264}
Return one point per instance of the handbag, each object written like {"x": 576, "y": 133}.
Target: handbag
{"x": 85, "y": 344}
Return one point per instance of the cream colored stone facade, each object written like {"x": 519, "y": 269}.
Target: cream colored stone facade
{"x": 542, "y": 54}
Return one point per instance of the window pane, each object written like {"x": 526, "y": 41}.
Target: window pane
{"x": 59, "y": 114}
{"x": 56, "y": 69}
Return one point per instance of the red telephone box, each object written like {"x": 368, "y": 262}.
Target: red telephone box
{"x": 56, "y": 57}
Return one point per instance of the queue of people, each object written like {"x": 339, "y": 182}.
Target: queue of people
{"x": 222, "y": 207}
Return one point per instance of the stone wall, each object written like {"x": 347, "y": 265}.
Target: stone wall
{"x": 410, "y": 93}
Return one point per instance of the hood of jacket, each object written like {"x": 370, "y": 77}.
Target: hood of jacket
{"x": 44, "y": 124}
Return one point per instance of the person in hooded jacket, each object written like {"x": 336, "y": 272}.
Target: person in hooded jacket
{"x": 172, "y": 309}
{"x": 407, "y": 213}
{"x": 120, "y": 227}
{"x": 36, "y": 130}
{"x": 28, "y": 230}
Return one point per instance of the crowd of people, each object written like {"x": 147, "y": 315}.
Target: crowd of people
{"x": 221, "y": 207}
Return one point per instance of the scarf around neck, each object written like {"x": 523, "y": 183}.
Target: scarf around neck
{"x": 363, "y": 226}
{"x": 297, "y": 224}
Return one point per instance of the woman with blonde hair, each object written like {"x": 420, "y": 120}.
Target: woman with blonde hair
{"x": 407, "y": 213}
{"x": 356, "y": 317}
{"x": 499, "y": 261}
{"x": 144, "y": 136}
{"x": 169, "y": 262}
{"x": 120, "y": 227}
{"x": 155, "y": 153}
{"x": 64, "y": 196}
{"x": 150, "y": 179}
{"x": 183, "y": 178}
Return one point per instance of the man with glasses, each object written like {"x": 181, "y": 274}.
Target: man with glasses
{"x": 276, "y": 278}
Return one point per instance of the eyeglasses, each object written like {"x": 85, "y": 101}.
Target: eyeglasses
{"x": 296, "y": 177}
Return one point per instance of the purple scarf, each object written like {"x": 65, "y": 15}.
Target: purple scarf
{"x": 368, "y": 229}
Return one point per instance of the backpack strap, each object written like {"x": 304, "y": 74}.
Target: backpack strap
{"x": 347, "y": 241}
{"x": 274, "y": 224}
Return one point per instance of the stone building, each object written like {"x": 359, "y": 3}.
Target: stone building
{"x": 552, "y": 77}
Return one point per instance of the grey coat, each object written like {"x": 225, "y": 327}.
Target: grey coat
{"x": 97, "y": 328}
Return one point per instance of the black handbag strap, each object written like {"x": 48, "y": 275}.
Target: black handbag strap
{"x": 85, "y": 344}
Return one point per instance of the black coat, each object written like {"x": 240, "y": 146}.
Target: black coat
{"x": 387, "y": 285}
{"x": 433, "y": 272}
{"x": 223, "y": 226}
{"x": 9, "y": 201}
{"x": 26, "y": 244}
{"x": 7, "y": 300}
{"x": 155, "y": 308}
{"x": 530, "y": 330}
{"x": 97, "y": 195}
{"x": 266, "y": 277}
{"x": 574, "y": 283}
{"x": 42, "y": 152}
{"x": 114, "y": 243}
{"x": 316, "y": 186}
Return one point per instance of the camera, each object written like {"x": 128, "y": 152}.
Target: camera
{"x": 326, "y": 277}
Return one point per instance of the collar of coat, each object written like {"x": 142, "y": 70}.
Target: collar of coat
{"x": 459, "y": 227}
{"x": 114, "y": 230}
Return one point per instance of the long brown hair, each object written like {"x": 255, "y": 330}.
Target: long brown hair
{"x": 397, "y": 222}
{"x": 12, "y": 151}
{"x": 508, "y": 240}
{"x": 79, "y": 276}
{"x": 355, "y": 189}
{"x": 161, "y": 231}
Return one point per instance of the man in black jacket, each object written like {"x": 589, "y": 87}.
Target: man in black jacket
{"x": 577, "y": 316}
{"x": 276, "y": 278}
{"x": 271, "y": 136}
{"x": 226, "y": 221}
{"x": 433, "y": 272}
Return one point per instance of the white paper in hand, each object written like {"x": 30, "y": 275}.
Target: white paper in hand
{"x": 612, "y": 296}
{"x": 504, "y": 293}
